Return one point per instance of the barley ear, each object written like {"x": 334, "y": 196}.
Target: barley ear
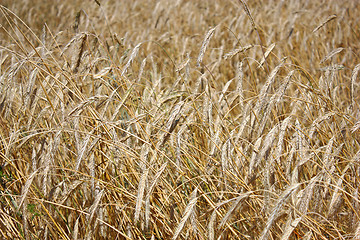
{"x": 188, "y": 210}
{"x": 353, "y": 79}
{"x": 204, "y": 46}
{"x": 276, "y": 209}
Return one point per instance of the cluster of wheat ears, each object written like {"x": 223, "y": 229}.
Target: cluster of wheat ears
{"x": 179, "y": 119}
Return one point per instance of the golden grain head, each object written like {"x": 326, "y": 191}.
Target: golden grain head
{"x": 179, "y": 120}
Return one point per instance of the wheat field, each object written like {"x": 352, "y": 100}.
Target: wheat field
{"x": 178, "y": 119}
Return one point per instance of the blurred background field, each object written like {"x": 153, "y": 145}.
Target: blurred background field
{"x": 179, "y": 119}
